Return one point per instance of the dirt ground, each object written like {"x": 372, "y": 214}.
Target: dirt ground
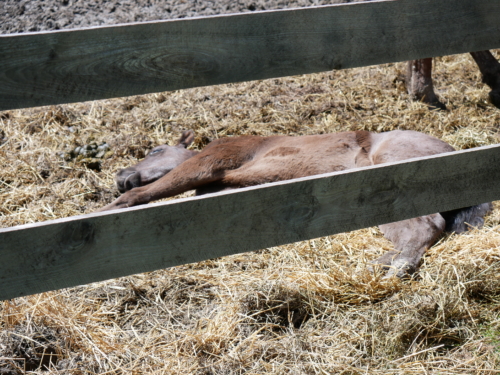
{"x": 39, "y": 15}
{"x": 305, "y": 308}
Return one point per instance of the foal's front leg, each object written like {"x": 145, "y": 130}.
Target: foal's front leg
{"x": 411, "y": 238}
{"x": 193, "y": 173}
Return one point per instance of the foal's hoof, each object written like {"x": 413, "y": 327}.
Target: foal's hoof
{"x": 387, "y": 258}
{"x": 383, "y": 263}
{"x": 394, "y": 266}
{"x": 400, "y": 268}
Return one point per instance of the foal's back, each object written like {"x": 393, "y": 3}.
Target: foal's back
{"x": 266, "y": 159}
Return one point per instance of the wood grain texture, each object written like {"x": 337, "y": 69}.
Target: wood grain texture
{"x": 84, "y": 249}
{"x": 87, "y": 64}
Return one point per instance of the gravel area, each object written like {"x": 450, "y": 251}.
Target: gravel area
{"x": 41, "y": 15}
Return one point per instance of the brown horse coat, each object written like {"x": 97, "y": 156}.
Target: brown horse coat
{"x": 235, "y": 162}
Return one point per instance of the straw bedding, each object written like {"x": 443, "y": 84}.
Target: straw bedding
{"x": 306, "y": 308}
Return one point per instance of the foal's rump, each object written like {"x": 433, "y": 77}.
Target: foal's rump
{"x": 399, "y": 145}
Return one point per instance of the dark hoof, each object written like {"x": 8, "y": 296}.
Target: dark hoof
{"x": 495, "y": 98}
{"x": 437, "y": 105}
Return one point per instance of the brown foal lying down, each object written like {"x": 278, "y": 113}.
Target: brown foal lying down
{"x": 231, "y": 163}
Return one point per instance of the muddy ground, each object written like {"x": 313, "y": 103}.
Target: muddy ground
{"x": 306, "y": 308}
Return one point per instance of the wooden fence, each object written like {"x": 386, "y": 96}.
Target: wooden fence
{"x": 68, "y": 66}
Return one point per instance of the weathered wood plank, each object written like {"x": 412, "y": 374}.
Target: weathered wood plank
{"x": 87, "y": 64}
{"x": 84, "y": 249}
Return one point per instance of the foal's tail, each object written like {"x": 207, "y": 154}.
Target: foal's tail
{"x": 462, "y": 219}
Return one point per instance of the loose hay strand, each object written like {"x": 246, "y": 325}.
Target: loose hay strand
{"x": 309, "y": 307}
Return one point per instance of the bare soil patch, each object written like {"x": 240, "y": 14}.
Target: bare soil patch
{"x": 309, "y": 307}
{"x": 39, "y": 15}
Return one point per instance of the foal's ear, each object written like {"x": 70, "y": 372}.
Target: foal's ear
{"x": 186, "y": 139}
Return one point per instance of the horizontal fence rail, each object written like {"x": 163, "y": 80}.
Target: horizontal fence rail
{"x": 83, "y": 249}
{"x": 96, "y": 63}
{"x": 69, "y": 66}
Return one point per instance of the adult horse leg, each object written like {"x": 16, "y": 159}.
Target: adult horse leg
{"x": 419, "y": 82}
{"x": 411, "y": 238}
{"x": 490, "y": 70}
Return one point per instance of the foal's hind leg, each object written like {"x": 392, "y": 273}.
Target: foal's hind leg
{"x": 411, "y": 238}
